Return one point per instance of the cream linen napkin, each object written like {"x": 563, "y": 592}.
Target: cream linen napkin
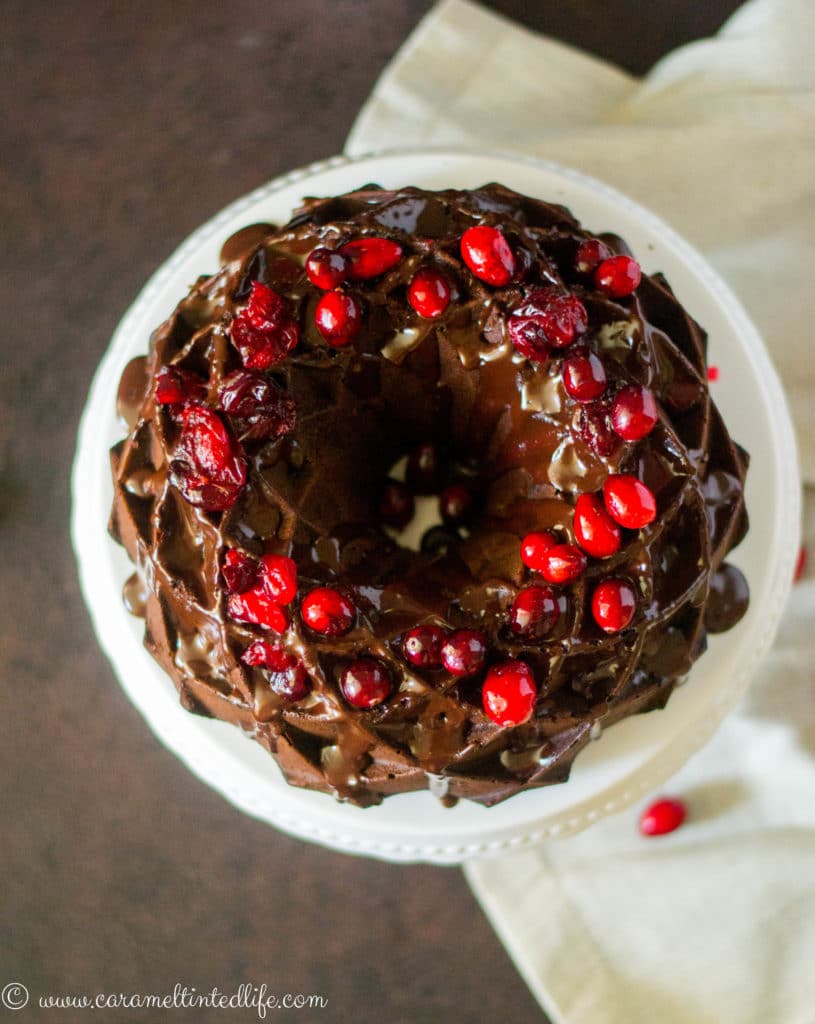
{"x": 715, "y": 923}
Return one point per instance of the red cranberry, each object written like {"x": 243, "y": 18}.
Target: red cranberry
{"x": 423, "y": 471}
{"x": 209, "y": 466}
{"x": 618, "y": 276}
{"x": 326, "y": 268}
{"x": 563, "y": 564}
{"x": 628, "y": 501}
{"x": 279, "y": 575}
{"x": 584, "y": 376}
{"x": 463, "y": 653}
{"x": 421, "y": 645}
{"x": 593, "y": 426}
{"x": 258, "y": 408}
{"x": 264, "y": 333}
{"x": 612, "y": 605}
{"x": 534, "y": 613}
{"x": 634, "y": 413}
{"x": 800, "y": 565}
{"x": 264, "y": 306}
{"x": 509, "y": 693}
{"x": 713, "y": 374}
{"x": 256, "y": 606}
{"x": 174, "y": 386}
{"x": 338, "y": 317}
{"x": 396, "y": 506}
{"x": 365, "y": 683}
{"x": 565, "y": 319}
{"x": 529, "y": 337}
{"x": 590, "y": 255}
{"x": 454, "y": 503}
{"x": 546, "y": 319}
{"x": 534, "y": 547}
{"x": 328, "y": 612}
{"x": 488, "y": 255}
{"x": 524, "y": 261}
{"x": 370, "y": 257}
{"x": 661, "y": 817}
{"x": 287, "y": 674}
{"x": 594, "y": 529}
{"x": 429, "y": 292}
{"x": 239, "y": 571}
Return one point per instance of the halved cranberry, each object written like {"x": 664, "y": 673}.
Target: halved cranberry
{"x": 279, "y": 575}
{"x": 429, "y": 292}
{"x": 396, "y": 505}
{"x": 534, "y": 613}
{"x": 628, "y": 501}
{"x": 421, "y": 645}
{"x": 463, "y": 653}
{"x": 370, "y": 257}
{"x": 455, "y": 502}
{"x": 239, "y": 571}
{"x": 565, "y": 318}
{"x": 287, "y": 674}
{"x": 545, "y": 320}
{"x": 175, "y": 385}
{"x": 258, "y": 408}
{"x": 423, "y": 471}
{"x": 488, "y": 255}
{"x": 634, "y": 413}
{"x": 338, "y": 317}
{"x": 594, "y": 529}
{"x": 209, "y": 467}
{"x": 584, "y": 376}
{"x": 365, "y": 683}
{"x": 534, "y": 547}
{"x": 529, "y": 337}
{"x": 618, "y": 276}
{"x": 563, "y": 563}
{"x": 326, "y": 268}
{"x": 509, "y": 693}
{"x": 263, "y": 333}
{"x": 256, "y": 606}
{"x": 613, "y": 604}
{"x": 328, "y": 612}
{"x": 593, "y": 426}
{"x": 264, "y": 306}
{"x": 662, "y": 816}
{"x": 590, "y": 255}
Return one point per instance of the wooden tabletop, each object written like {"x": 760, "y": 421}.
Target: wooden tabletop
{"x": 125, "y": 126}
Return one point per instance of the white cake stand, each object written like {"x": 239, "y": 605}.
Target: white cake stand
{"x": 633, "y": 757}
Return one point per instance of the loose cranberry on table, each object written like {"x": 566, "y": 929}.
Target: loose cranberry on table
{"x": 175, "y": 386}
{"x": 259, "y": 608}
{"x": 534, "y": 613}
{"x": 628, "y": 501}
{"x": 463, "y": 653}
{"x": 613, "y": 604}
{"x": 209, "y": 467}
{"x": 422, "y": 645}
{"x": 423, "y": 470}
{"x": 534, "y": 547}
{"x": 488, "y": 255}
{"x": 239, "y": 571}
{"x": 365, "y": 683}
{"x": 287, "y": 674}
{"x": 370, "y": 257}
{"x": 563, "y": 563}
{"x": 455, "y": 503}
{"x": 326, "y": 268}
{"x": 634, "y": 413}
{"x": 264, "y": 332}
{"x": 618, "y": 276}
{"x": 396, "y": 505}
{"x": 590, "y": 255}
{"x": 584, "y": 376}
{"x": 509, "y": 693}
{"x": 429, "y": 292}
{"x": 328, "y": 612}
{"x": 662, "y": 816}
{"x": 258, "y": 408}
{"x": 594, "y": 529}
{"x": 338, "y": 317}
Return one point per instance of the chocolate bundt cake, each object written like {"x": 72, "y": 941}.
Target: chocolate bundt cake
{"x": 476, "y": 346}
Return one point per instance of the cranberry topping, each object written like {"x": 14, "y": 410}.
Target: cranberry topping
{"x": 662, "y": 816}
{"x": 209, "y": 468}
{"x": 594, "y": 529}
{"x": 628, "y": 501}
{"x": 634, "y": 413}
{"x": 396, "y": 506}
{"x": 612, "y": 605}
{"x": 529, "y": 337}
{"x": 326, "y": 268}
{"x": 287, "y": 674}
{"x": 239, "y": 571}
{"x": 328, "y": 612}
{"x": 455, "y": 502}
{"x": 534, "y": 547}
{"x": 423, "y": 471}
{"x": 534, "y": 613}
{"x": 429, "y": 292}
{"x": 463, "y": 653}
{"x": 370, "y": 257}
{"x": 584, "y": 376}
{"x": 259, "y": 608}
{"x": 175, "y": 385}
{"x": 509, "y": 693}
{"x": 338, "y": 317}
{"x": 618, "y": 276}
{"x": 546, "y": 320}
{"x": 264, "y": 306}
{"x": 258, "y": 408}
{"x": 590, "y": 255}
{"x": 593, "y": 426}
{"x": 279, "y": 576}
{"x": 488, "y": 255}
{"x": 365, "y": 683}
{"x": 421, "y": 645}
{"x": 263, "y": 333}
{"x": 563, "y": 563}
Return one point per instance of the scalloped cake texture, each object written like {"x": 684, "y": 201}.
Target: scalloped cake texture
{"x": 305, "y": 427}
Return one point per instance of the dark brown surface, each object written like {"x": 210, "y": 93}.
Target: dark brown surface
{"x": 124, "y": 127}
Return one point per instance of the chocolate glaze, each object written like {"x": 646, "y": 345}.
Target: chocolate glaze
{"x": 507, "y": 427}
